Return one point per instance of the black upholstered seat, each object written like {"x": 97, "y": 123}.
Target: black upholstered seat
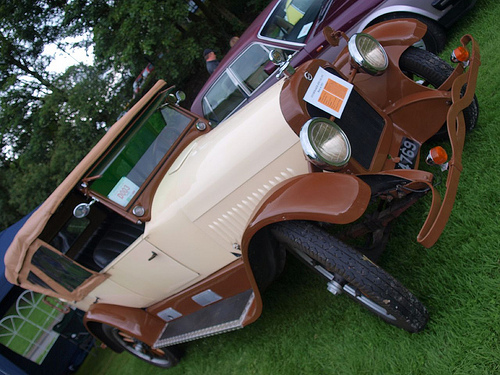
{"x": 118, "y": 236}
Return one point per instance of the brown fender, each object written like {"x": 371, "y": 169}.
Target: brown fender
{"x": 327, "y": 197}
{"x": 136, "y": 322}
{"x": 400, "y": 33}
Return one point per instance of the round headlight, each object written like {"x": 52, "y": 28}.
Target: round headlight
{"x": 367, "y": 53}
{"x": 325, "y": 144}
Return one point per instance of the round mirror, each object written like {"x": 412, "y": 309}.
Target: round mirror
{"x": 181, "y": 96}
{"x": 81, "y": 210}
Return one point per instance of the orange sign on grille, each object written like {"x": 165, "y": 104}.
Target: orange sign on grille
{"x": 328, "y": 92}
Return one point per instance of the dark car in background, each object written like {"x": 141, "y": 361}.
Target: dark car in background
{"x": 295, "y": 26}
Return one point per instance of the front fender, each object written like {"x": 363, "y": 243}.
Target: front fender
{"x": 327, "y": 197}
{"x": 398, "y": 34}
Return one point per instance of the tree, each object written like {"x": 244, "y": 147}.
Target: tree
{"x": 48, "y": 122}
{"x": 62, "y": 130}
{"x": 25, "y": 28}
{"x": 129, "y": 34}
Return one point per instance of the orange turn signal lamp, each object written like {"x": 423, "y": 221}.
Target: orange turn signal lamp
{"x": 460, "y": 54}
{"x": 437, "y": 156}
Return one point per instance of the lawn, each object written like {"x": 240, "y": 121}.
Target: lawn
{"x": 23, "y": 335}
{"x": 306, "y": 330}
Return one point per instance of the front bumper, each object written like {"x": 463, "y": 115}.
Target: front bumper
{"x": 440, "y": 210}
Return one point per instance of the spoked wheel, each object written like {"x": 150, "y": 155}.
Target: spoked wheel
{"x": 163, "y": 358}
{"x": 355, "y": 275}
{"x": 431, "y": 71}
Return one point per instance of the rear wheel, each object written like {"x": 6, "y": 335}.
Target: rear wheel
{"x": 430, "y": 70}
{"x": 163, "y": 358}
{"x": 355, "y": 275}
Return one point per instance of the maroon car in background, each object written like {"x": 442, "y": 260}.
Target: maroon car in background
{"x": 295, "y": 27}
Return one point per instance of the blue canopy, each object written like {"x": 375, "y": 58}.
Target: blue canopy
{"x": 6, "y": 238}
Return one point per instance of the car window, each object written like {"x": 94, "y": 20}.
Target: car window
{"x": 59, "y": 268}
{"x": 69, "y": 233}
{"x": 222, "y": 99}
{"x": 292, "y": 20}
{"x": 249, "y": 66}
{"x": 92, "y": 241}
{"x": 245, "y": 75}
{"x": 122, "y": 172}
{"x": 35, "y": 280}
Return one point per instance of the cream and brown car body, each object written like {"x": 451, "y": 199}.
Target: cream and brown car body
{"x": 201, "y": 254}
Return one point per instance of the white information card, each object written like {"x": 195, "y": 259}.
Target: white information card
{"x": 123, "y": 192}
{"x": 328, "y": 92}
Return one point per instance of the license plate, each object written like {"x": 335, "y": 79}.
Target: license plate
{"x": 408, "y": 152}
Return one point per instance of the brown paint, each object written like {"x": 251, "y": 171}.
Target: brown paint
{"x": 413, "y": 110}
{"x": 327, "y": 197}
{"x": 440, "y": 213}
{"x": 135, "y": 322}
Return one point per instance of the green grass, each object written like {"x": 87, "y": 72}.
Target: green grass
{"x": 306, "y": 330}
{"x": 42, "y": 316}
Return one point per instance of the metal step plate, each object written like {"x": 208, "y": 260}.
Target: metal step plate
{"x": 225, "y": 315}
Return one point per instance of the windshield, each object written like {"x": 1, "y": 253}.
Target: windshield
{"x": 292, "y": 20}
{"x": 122, "y": 172}
{"x": 62, "y": 270}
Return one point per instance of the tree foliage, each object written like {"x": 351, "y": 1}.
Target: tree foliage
{"x": 49, "y": 121}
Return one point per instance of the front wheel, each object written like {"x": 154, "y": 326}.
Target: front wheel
{"x": 163, "y": 358}
{"x": 357, "y": 276}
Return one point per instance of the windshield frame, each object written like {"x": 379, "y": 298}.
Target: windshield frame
{"x": 144, "y": 196}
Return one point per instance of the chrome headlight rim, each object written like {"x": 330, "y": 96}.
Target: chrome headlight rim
{"x": 312, "y": 151}
{"x": 360, "y": 60}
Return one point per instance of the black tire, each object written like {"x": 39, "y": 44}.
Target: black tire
{"x": 434, "y": 39}
{"x": 422, "y": 65}
{"x": 361, "y": 279}
{"x": 163, "y": 358}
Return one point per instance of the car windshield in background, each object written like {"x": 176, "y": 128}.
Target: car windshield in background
{"x": 292, "y": 20}
{"x": 128, "y": 165}
{"x": 238, "y": 82}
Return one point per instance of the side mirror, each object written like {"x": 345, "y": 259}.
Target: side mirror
{"x": 176, "y": 98}
{"x": 180, "y": 96}
{"x": 83, "y": 209}
{"x": 279, "y": 59}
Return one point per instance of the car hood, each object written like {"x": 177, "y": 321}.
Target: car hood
{"x": 227, "y": 158}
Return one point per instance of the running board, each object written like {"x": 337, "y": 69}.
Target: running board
{"x": 226, "y": 315}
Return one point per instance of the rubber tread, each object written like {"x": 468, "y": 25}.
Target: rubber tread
{"x": 355, "y": 268}
{"x": 171, "y": 354}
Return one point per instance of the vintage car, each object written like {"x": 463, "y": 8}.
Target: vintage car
{"x": 169, "y": 230}
{"x": 295, "y": 26}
